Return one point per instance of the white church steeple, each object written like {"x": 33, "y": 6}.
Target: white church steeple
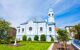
{"x": 51, "y": 16}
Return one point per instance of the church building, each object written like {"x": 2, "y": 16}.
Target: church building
{"x": 33, "y": 27}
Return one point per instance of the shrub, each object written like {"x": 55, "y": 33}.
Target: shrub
{"x": 7, "y": 40}
{"x": 10, "y": 39}
{"x": 0, "y": 41}
{"x": 52, "y": 39}
{"x": 43, "y": 37}
{"x": 29, "y": 39}
{"x": 24, "y": 38}
{"x": 36, "y": 38}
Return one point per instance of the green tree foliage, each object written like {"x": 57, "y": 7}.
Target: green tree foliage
{"x": 43, "y": 37}
{"x": 29, "y": 39}
{"x": 4, "y": 28}
{"x": 24, "y": 38}
{"x": 36, "y": 38}
{"x": 77, "y": 28}
{"x": 4, "y": 25}
{"x": 63, "y": 37}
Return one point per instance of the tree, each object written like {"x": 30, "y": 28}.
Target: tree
{"x": 73, "y": 29}
{"x": 77, "y": 28}
{"x": 36, "y": 38}
{"x": 4, "y": 28}
{"x": 63, "y": 37}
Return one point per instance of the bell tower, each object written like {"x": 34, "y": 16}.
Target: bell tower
{"x": 51, "y": 25}
{"x": 50, "y": 16}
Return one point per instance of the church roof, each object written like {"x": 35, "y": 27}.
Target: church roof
{"x": 24, "y": 23}
{"x": 35, "y": 20}
{"x": 39, "y": 21}
{"x": 50, "y": 23}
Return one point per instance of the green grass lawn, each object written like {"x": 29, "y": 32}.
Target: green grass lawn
{"x": 26, "y": 46}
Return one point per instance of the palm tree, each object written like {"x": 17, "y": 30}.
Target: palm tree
{"x": 63, "y": 37}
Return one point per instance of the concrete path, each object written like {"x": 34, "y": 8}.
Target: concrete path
{"x": 51, "y": 46}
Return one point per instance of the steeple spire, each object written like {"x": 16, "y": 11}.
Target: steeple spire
{"x": 50, "y": 9}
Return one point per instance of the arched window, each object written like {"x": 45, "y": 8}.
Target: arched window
{"x": 41, "y": 29}
{"x": 22, "y": 29}
{"x": 18, "y": 30}
{"x": 49, "y": 14}
{"x": 50, "y": 29}
{"x": 52, "y": 14}
{"x": 30, "y": 28}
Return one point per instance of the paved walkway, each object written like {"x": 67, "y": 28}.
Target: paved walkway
{"x": 57, "y": 46}
{"x": 51, "y": 46}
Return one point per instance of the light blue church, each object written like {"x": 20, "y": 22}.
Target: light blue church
{"x": 33, "y": 27}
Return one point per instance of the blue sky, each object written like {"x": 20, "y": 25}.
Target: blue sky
{"x": 66, "y": 12}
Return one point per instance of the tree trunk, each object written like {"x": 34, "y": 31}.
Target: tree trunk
{"x": 64, "y": 42}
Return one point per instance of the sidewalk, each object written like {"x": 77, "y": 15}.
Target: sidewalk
{"x": 51, "y": 46}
